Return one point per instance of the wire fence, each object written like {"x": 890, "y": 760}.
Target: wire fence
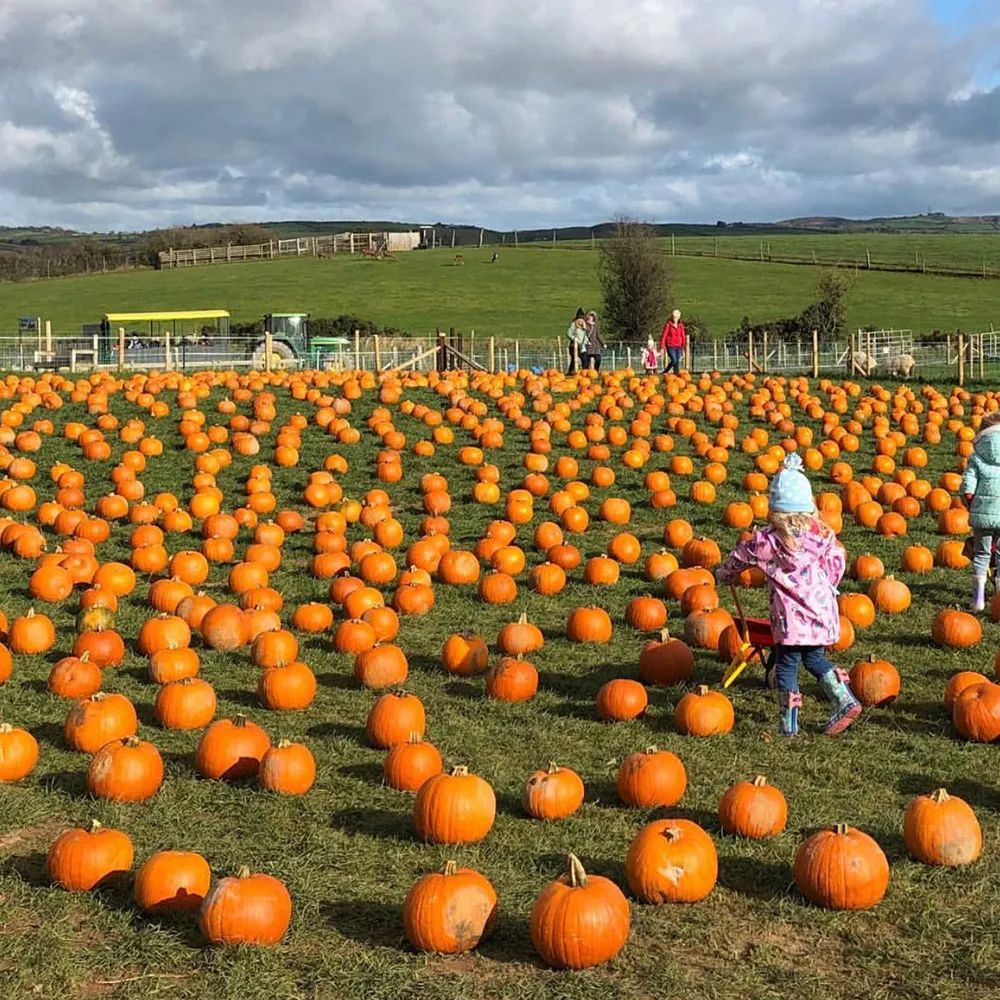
{"x": 881, "y": 353}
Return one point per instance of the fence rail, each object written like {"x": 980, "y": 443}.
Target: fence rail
{"x": 882, "y": 353}
{"x": 297, "y": 246}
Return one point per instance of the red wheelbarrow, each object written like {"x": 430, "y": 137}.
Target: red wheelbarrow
{"x": 757, "y": 644}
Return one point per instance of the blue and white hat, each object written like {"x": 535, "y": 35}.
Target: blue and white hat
{"x": 790, "y": 489}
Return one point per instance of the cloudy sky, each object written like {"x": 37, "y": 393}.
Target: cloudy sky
{"x": 126, "y": 114}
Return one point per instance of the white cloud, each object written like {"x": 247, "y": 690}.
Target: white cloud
{"x": 518, "y": 113}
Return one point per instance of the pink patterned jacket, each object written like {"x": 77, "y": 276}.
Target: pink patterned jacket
{"x": 802, "y": 583}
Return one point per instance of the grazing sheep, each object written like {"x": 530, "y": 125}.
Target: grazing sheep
{"x": 901, "y": 366}
{"x": 864, "y": 363}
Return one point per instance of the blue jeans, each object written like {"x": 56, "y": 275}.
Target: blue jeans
{"x": 675, "y": 354}
{"x": 786, "y": 665}
{"x": 983, "y": 540}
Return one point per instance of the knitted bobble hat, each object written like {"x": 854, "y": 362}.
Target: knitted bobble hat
{"x": 790, "y": 489}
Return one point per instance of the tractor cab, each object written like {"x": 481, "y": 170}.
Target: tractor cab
{"x": 289, "y": 335}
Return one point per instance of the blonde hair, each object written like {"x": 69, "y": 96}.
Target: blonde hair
{"x": 789, "y": 526}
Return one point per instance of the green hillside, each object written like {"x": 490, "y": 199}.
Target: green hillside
{"x": 531, "y": 293}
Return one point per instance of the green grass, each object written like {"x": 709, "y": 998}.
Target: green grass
{"x": 347, "y": 850}
{"x": 967, "y": 252}
{"x": 532, "y": 294}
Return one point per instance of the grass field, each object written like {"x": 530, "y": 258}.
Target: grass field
{"x": 532, "y": 294}
{"x": 347, "y": 850}
{"x": 967, "y": 252}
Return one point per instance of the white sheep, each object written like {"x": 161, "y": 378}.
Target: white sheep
{"x": 901, "y": 366}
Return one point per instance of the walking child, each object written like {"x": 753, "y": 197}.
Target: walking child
{"x": 650, "y": 360}
{"x": 981, "y": 486}
{"x": 803, "y": 563}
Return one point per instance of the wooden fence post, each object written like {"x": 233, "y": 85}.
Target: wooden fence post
{"x": 378, "y": 352}
{"x": 121, "y": 347}
{"x": 851, "y": 360}
{"x": 763, "y": 353}
{"x": 492, "y": 355}
{"x": 357, "y": 350}
{"x": 815, "y": 353}
{"x": 750, "y": 351}
{"x": 268, "y": 348}
{"x": 517, "y": 354}
{"x": 961, "y": 358}
{"x": 442, "y": 351}
{"x": 628, "y": 354}
{"x": 48, "y": 337}
{"x": 687, "y": 354}
{"x": 166, "y": 350}
{"x": 715, "y": 355}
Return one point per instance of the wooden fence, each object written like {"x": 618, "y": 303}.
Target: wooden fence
{"x": 297, "y": 246}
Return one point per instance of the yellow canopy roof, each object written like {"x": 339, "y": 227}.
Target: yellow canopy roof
{"x": 154, "y": 317}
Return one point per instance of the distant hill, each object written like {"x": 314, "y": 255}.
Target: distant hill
{"x": 932, "y": 222}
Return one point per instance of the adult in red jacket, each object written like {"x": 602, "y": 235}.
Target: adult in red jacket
{"x": 673, "y": 340}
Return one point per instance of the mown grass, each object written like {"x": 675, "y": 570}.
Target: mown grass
{"x": 347, "y": 849}
{"x": 532, "y": 293}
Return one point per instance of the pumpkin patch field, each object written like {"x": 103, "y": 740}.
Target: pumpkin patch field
{"x": 333, "y": 685}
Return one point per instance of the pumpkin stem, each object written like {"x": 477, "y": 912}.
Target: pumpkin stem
{"x": 672, "y": 834}
{"x": 664, "y": 635}
{"x": 461, "y": 771}
{"x": 703, "y": 689}
{"x": 649, "y": 751}
{"x": 239, "y": 721}
{"x": 760, "y": 781}
{"x": 577, "y": 874}
{"x": 5, "y": 728}
{"x": 415, "y": 738}
{"x": 131, "y": 742}
{"x": 98, "y": 696}
{"x": 85, "y": 656}
{"x": 553, "y": 767}
{"x": 31, "y": 613}
{"x": 283, "y": 744}
{"x": 450, "y": 868}
{"x": 840, "y": 828}
{"x": 243, "y": 872}
{"x": 938, "y": 796}
{"x": 523, "y": 620}
{"x": 92, "y": 826}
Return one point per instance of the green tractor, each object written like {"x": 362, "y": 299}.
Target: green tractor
{"x": 291, "y": 341}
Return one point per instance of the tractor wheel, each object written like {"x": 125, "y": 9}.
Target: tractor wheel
{"x": 281, "y": 355}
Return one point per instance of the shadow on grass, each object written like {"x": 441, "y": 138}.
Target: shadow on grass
{"x": 241, "y": 697}
{"x": 31, "y": 869}
{"x": 382, "y": 824}
{"x": 338, "y": 682}
{"x": 754, "y": 878}
{"x": 555, "y": 864}
{"x": 366, "y": 921}
{"x": 72, "y": 783}
{"x": 50, "y": 733}
{"x": 369, "y": 773}
{"x": 468, "y": 690}
{"x": 705, "y": 818}
{"x": 976, "y": 794}
{"x": 339, "y": 730}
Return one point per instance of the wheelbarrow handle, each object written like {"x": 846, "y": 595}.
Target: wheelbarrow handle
{"x": 739, "y": 607}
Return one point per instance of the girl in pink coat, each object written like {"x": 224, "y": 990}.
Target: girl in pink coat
{"x": 804, "y": 564}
